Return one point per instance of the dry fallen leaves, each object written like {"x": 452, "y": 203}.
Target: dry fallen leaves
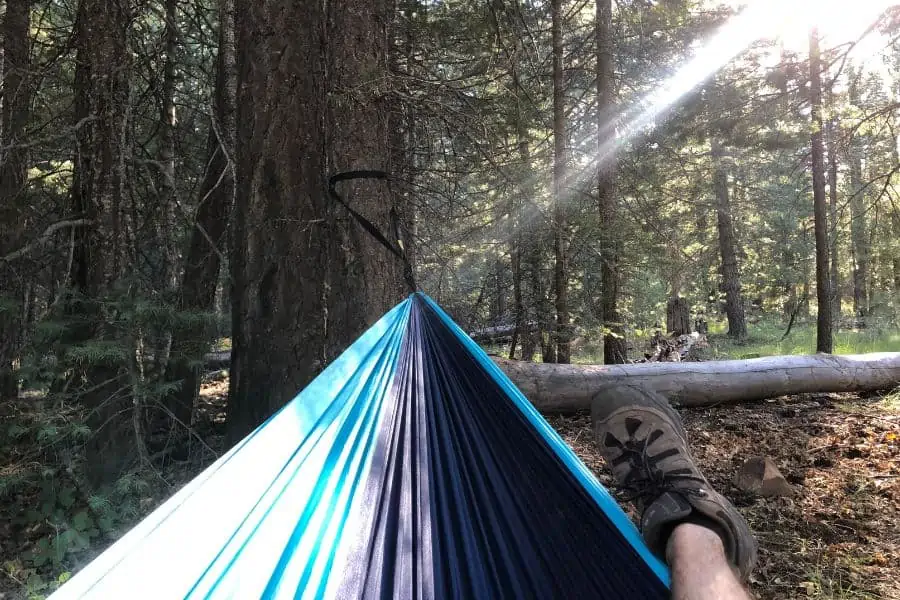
{"x": 839, "y": 537}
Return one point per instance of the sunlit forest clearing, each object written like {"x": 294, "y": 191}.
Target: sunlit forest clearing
{"x": 206, "y": 205}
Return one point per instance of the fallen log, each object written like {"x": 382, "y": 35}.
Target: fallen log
{"x": 499, "y": 333}
{"x": 554, "y": 388}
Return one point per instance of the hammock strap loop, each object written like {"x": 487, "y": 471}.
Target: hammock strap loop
{"x": 396, "y": 247}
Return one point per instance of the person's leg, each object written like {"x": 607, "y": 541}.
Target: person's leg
{"x": 700, "y": 569}
{"x": 704, "y": 538}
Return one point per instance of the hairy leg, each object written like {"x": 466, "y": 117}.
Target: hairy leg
{"x": 700, "y": 570}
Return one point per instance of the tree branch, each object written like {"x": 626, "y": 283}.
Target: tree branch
{"x": 44, "y": 238}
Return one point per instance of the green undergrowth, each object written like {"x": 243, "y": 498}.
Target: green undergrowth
{"x": 765, "y": 339}
{"x": 52, "y": 520}
{"x": 884, "y": 405}
{"x": 824, "y": 583}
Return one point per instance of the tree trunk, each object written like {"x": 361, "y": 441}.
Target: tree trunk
{"x": 306, "y": 278}
{"x": 614, "y": 346}
{"x": 858, "y": 227}
{"x": 707, "y": 259}
{"x": 859, "y": 243}
{"x": 207, "y": 243}
{"x": 569, "y": 388}
{"x": 678, "y": 316}
{"x": 731, "y": 280}
{"x": 163, "y": 214}
{"x": 521, "y": 222}
{"x": 858, "y": 237}
{"x": 499, "y": 303}
{"x": 532, "y": 258}
{"x": 515, "y": 260}
{"x": 406, "y": 149}
{"x": 560, "y": 167}
{"x": 895, "y": 229}
{"x": 15, "y": 103}
{"x": 546, "y": 327}
{"x": 895, "y": 259}
{"x": 831, "y": 133}
{"x": 98, "y": 194}
{"x": 824, "y": 338}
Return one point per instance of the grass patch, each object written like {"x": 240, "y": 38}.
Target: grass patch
{"x": 827, "y": 584}
{"x": 887, "y": 405}
{"x": 764, "y": 339}
{"x": 891, "y": 402}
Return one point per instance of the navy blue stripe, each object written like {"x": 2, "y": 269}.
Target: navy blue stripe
{"x": 466, "y": 499}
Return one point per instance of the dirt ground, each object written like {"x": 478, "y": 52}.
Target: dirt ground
{"x": 838, "y": 536}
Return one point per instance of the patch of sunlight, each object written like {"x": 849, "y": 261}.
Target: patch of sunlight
{"x": 765, "y": 339}
{"x": 890, "y": 403}
{"x": 886, "y": 406}
{"x": 829, "y": 584}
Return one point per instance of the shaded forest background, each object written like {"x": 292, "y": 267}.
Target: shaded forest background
{"x": 163, "y": 169}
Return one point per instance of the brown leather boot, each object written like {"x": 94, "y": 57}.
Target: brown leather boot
{"x": 644, "y": 443}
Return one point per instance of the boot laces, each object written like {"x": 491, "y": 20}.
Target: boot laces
{"x": 645, "y": 480}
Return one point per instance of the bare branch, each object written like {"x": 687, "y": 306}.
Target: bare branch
{"x": 44, "y": 238}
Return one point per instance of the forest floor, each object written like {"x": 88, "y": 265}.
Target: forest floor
{"x": 838, "y": 536}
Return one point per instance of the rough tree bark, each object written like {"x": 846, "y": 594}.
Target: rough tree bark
{"x": 532, "y": 283}
{"x": 678, "y": 310}
{"x": 614, "y": 346}
{"x": 163, "y": 210}
{"x": 731, "y": 279}
{"x": 546, "y": 325}
{"x": 560, "y": 168}
{"x": 895, "y": 228}
{"x": 203, "y": 260}
{"x": 498, "y": 306}
{"x": 859, "y": 242}
{"x": 895, "y": 258}
{"x": 407, "y": 163}
{"x": 521, "y": 221}
{"x": 678, "y": 316}
{"x": 98, "y": 194}
{"x": 569, "y": 388}
{"x": 515, "y": 260}
{"x": 831, "y": 134}
{"x": 15, "y": 102}
{"x": 306, "y": 278}
{"x": 824, "y": 338}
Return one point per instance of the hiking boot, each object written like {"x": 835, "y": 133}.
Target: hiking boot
{"x": 644, "y": 443}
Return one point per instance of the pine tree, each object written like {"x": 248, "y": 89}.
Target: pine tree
{"x": 824, "y": 338}
{"x": 15, "y": 103}
{"x": 314, "y": 112}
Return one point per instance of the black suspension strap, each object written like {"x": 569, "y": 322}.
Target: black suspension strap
{"x": 396, "y": 247}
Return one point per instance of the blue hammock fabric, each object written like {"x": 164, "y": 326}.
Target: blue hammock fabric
{"x": 410, "y": 468}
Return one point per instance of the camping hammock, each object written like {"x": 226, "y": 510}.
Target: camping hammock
{"x": 410, "y": 468}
